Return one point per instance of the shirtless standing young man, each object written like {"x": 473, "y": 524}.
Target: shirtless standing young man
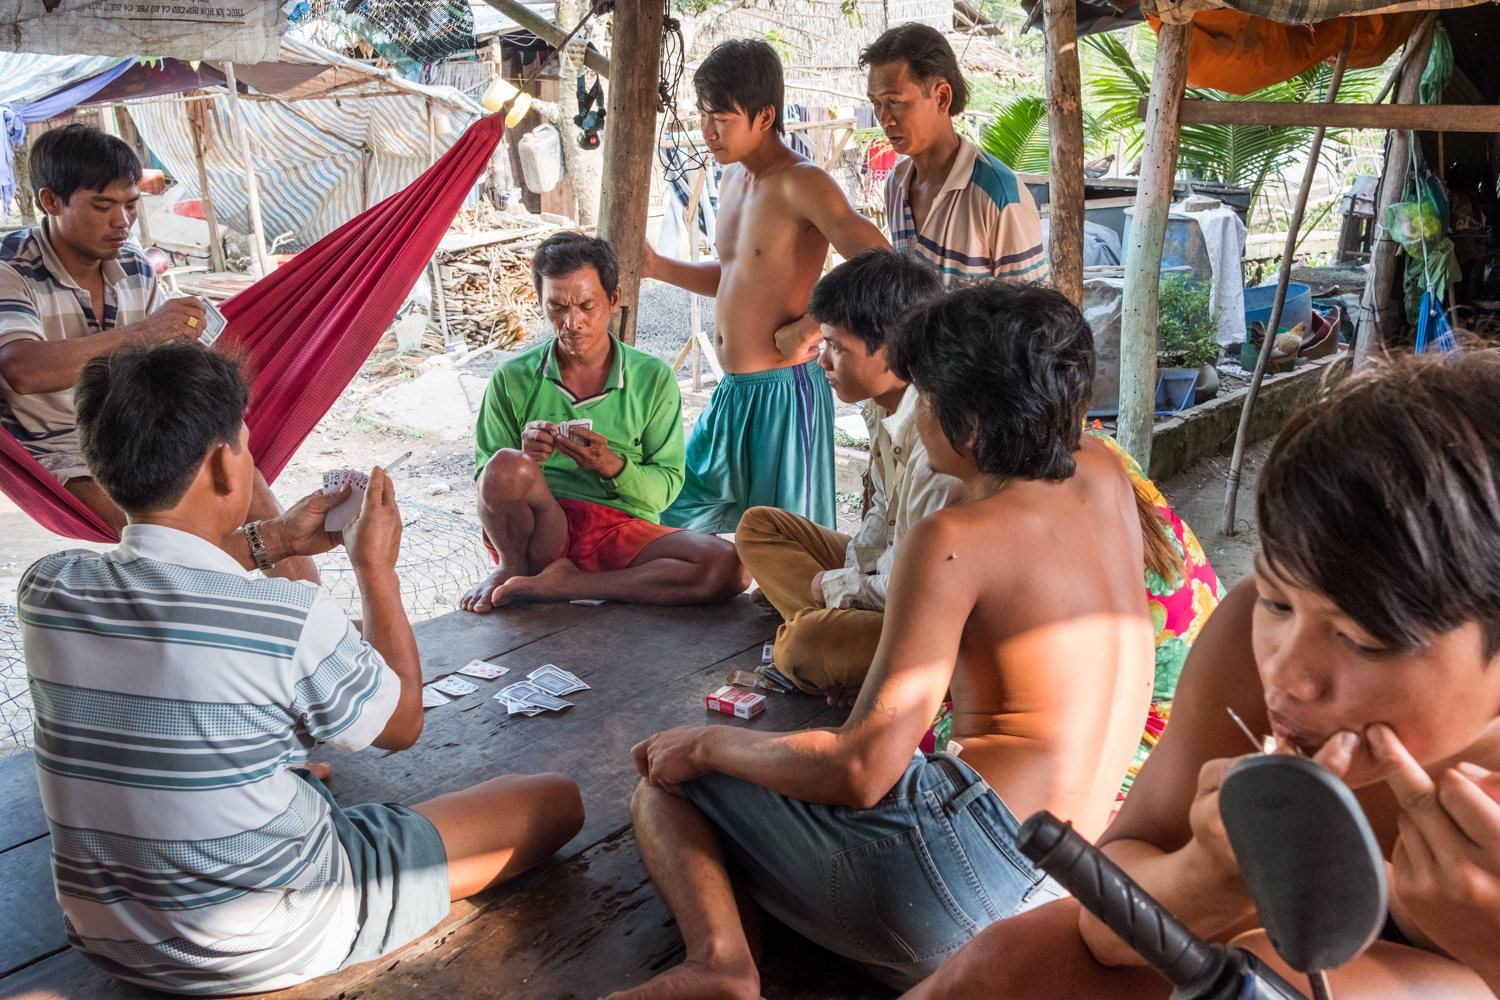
{"x": 1025, "y": 601}
{"x": 766, "y": 438}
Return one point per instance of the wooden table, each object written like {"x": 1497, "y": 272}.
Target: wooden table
{"x": 584, "y": 924}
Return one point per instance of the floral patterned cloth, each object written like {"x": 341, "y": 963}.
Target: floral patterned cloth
{"x": 1177, "y": 615}
{"x": 1177, "y": 611}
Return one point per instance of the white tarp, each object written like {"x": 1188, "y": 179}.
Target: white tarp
{"x": 234, "y": 30}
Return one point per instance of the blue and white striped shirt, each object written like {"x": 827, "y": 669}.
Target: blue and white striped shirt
{"x": 173, "y": 693}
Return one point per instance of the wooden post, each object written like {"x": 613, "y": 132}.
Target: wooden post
{"x": 630, "y": 148}
{"x": 242, "y": 126}
{"x": 1065, "y": 154}
{"x": 1383, "y": 254}
{"x": 431, "y": 135}
{"x": 1278, "y": 302}
{"x": 1148, "y": 233}
{"x": 215, "y": 242}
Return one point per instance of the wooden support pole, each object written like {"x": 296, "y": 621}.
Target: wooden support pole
{"x": 1147, "y": 235}
{"x": 1065, "y": 152}
{"x": 1418, "y": 117}
{"x": 215, "y": 241}
{"x": 630, "y": 148}
{"x": 242, "y": 126}
{"x": 1371, "y": 329}
{"x": 431, "y": 136}
{"x": 1417, "y": 34}
{"x": 1278, "y": 302}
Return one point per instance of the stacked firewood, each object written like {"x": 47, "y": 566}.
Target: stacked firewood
{"x": 487, "y": 292}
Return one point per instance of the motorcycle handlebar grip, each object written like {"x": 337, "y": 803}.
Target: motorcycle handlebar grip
{"x": 1108, "y": 893}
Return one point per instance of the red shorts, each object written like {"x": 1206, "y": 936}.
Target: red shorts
{"x": 600, "y": 538}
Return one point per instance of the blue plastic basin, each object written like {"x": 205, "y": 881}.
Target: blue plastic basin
{"x": 1298, "y": 308}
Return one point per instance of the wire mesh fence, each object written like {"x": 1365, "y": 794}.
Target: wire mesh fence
{"x": 442, "y": 556}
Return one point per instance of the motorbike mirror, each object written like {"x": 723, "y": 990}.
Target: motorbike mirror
{"x": 1308, "y": 856}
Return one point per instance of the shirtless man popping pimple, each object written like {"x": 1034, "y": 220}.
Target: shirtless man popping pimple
{"x": 1025, "y": 602}
{"x": 766, "y": 438}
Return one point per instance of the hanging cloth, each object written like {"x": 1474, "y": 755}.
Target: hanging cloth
{"x": 15, "y": 117}
{"x": 307, "y": 327}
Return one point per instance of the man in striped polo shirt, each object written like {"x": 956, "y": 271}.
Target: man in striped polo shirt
{"x": 178, "y": 698}
{"x": 73, "y": 288}
{"x": 949, "y": 203}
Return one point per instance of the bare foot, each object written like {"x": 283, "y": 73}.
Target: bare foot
{"x": 296, "y": 568}
{"x": 697, "y": 981}
{"x": 842, "y": 697}
{"x": 759, "y": 597}
{"x": 557, "y": 582}
{"x": 478, "y": 599}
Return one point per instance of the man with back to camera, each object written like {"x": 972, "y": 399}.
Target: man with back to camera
{"x": 766, "y": 438}
{"x": 178, "y": 698}
{"x": 950, "y": 204}
{"x": 831, "y": 588}
{"x": 74, "y": 288}
{"x": 570, "y": 512}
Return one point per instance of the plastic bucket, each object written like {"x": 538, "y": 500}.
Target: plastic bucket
{"x": 1298, "y": 308}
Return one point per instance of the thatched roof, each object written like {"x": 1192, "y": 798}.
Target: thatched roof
{"x": 980, "y": 56}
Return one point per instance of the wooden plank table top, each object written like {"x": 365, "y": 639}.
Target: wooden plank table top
{"x": 582, "y": 925}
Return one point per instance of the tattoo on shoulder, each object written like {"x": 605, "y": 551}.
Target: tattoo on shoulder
{"x": 881, "y": 708}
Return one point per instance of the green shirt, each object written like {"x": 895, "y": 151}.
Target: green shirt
{"x": 639, "y": 411}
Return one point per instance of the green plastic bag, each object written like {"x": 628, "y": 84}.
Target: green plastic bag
{"x": 1411, "y": 222}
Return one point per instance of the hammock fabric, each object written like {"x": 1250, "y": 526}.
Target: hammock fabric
{"x": 306, "y": 328}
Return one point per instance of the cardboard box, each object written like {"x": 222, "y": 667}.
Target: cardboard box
{"x": 737, "y": 702}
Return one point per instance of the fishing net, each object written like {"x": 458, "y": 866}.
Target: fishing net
{"x": 15, "y": 700}
{"x": 408, "y": 33}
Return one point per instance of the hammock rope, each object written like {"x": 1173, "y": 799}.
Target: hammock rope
{"x": 306, "y": 328}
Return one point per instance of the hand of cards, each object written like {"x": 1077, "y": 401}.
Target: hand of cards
{"x": 540, "y": 691}
{"x": 213, "y": 323}
{"x": 567, "y": 427}
{"x": 345, "y": 513}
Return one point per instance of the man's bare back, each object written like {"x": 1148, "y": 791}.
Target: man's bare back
{"x": 770, "y": 257}
{"x": 1058, "y": 618}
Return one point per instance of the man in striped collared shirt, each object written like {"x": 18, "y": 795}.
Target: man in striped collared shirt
{"x": 178, "y": 699}
{"x": 949, "y": 203}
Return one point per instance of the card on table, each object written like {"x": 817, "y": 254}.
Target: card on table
{"x": 431, "y": 699}
{"x": 555, "y": 680}
{"x": 213, "y": 323}
{"x": 528, "y": 693}
{"x": 767, "y": 652}
{"x": 455, "y": 686}
{"x": 483, "y": 670}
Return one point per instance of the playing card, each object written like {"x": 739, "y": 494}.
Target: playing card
{"x": 518, "y": 707}
{"x": 482, "y": 670}
{"x": 213, "y": 323}
{"x": 567, "y": 427}
{"x": 528, "y": 693}
{"x": 345, "y": 513}
{"x": 455, "y": 686}
{"x": 767, "y": 651}
{"x": 431, "y": 699}
{"x": 555, "y": 680}
{"x": 588, "y": 602}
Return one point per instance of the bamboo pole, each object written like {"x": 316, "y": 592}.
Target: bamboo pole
{"x": 630, "y": 148}
{"x": 1393, "y": 183}
{"x": 1147, "y": 234}
{"x": 1283, "y": 281}
{"x": 1065, "y": 148}
{"x": 257, "y": 231}
{"x": 215, "y": 242}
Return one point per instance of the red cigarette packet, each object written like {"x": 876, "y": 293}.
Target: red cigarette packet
{"x": 734, "y": 701}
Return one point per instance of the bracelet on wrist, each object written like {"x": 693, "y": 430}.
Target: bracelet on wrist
{"x": 258, "y": 553}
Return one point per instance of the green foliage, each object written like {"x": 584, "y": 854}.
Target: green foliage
{"x": 1186, "y": 323}
{"x": 1017, "y": 134}
{"x": 783, "y": 47}
{"x": 849, "y": 8}
{"x": 846, "y": 440}
{"x": 1237, "y": 155}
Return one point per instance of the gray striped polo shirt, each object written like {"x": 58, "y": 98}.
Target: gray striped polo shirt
{"x": 173, "y": 692}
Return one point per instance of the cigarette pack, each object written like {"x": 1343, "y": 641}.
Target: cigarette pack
{"x": 734, "y": 701}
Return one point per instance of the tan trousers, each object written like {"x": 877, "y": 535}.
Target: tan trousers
{"x": 818, "y": 648}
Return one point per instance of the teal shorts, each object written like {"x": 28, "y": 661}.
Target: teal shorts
{"x": 766, "y": 440}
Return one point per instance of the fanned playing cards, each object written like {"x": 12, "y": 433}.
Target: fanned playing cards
{"x": 345, "y": 513}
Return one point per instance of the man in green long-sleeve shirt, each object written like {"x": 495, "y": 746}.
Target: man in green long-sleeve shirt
{"x": 572, "y": 512}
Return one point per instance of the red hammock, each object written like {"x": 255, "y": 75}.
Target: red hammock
{"x": 308, "y": 326}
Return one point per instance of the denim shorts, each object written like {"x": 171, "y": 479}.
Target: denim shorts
{"x": 896, "y": 888}
{"x": 399, "y": 871}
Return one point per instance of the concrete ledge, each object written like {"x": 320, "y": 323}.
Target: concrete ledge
{"x": 1208, "y": 430}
